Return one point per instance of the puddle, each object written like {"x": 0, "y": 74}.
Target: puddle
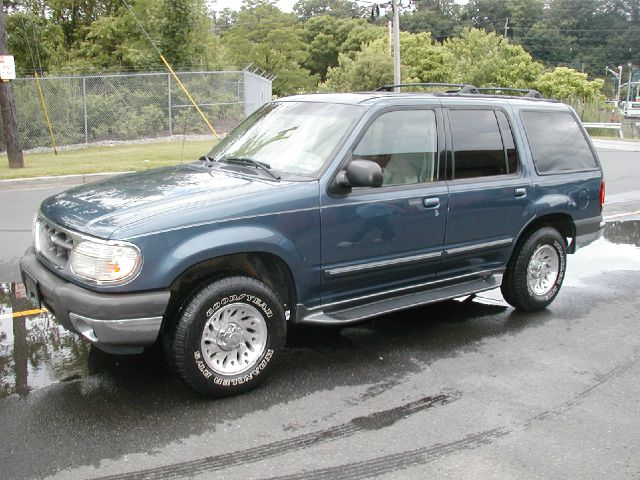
{"x": 36, "y": 352}
{"x": 617, "y": 250}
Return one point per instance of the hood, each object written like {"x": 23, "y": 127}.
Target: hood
{"x": 101, "y": 208}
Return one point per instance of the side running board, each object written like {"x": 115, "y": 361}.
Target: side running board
{"x": 356, "y": 313}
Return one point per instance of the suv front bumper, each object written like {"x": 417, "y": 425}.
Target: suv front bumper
{"x": 114, "y": 322}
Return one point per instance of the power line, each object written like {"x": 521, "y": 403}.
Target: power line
{"x": 562, "y": 30}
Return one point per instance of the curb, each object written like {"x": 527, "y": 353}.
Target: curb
{"x": 56, "y": 180}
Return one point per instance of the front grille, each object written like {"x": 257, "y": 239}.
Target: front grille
{"x": 55, "y": 244}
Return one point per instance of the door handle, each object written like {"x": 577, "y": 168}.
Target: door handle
{"x": 433, "y": 202}
{"x": 520, "y": 192}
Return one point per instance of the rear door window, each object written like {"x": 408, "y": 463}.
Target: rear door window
{"x": 557, "y": 142}
{"x": 482, "y": 144}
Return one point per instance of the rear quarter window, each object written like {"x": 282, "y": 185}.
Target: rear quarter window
{"x": 557, "y": 142}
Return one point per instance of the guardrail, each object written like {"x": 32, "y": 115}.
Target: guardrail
{"x": 611, "y": 126}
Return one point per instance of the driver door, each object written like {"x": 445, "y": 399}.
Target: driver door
{"x": 380, "y": 239}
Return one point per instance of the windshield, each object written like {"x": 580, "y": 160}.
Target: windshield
{"x": 289, "y": 137}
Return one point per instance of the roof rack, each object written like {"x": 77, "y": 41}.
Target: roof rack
{"x": 458, "y": 87}
{"x": 498, "y": 90}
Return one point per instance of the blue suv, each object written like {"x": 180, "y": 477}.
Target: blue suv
{"x": 320, "y": 209}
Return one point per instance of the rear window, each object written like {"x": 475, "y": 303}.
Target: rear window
{"x": 557, "y": 142}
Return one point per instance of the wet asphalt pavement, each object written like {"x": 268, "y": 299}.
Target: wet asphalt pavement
{"x": 464, "y": 389}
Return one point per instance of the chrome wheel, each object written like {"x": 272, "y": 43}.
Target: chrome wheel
{"x": 543, "y": 270}
{"x": 233, "y": 339}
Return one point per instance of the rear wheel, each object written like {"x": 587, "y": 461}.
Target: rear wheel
{"x": 536, "y": 270}
{"x": 227, "y": 336}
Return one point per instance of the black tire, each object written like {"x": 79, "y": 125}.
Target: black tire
{"x": 517, "y": 288}
{"x": 238, "y": 355}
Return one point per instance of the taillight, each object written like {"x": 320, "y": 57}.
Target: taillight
{"x": 602, "y": 192}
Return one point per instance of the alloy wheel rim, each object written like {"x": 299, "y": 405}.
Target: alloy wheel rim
{"x": 233, "y": 339}
{"x": 543, "y": 270}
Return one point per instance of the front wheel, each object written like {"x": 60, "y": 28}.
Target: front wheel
{"x": 536, "y": 270}
{"x": 227, "y": 336}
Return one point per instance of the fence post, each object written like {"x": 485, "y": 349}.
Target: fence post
{"x": 84, "y": 101}
{"x": 170, "y": 106}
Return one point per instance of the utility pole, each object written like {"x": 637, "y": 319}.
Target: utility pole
{"x": 506, "y": 27}
{"x": 628, "y": 85}
{"x": 396, "y": 45}
{"x": 618, "y": 76}
{"x": 8, "y": 106}
{"x": 619, "y": 85}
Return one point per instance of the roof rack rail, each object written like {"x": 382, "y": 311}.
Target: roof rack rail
{"x": 465, "y": 88}
{"x": 498, "y": 90}
{"x": 458, "y": 87}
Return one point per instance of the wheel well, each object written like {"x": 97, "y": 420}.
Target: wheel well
{"x": 267, "y": 268}
{"x": 562, "y": 222}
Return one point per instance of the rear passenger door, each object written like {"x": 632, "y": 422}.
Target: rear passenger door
{"x": 489, "y": 192}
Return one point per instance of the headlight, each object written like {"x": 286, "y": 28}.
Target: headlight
{"x": 105, "y": 263}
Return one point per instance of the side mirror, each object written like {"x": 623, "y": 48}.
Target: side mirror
{"x": 360, "y": 173}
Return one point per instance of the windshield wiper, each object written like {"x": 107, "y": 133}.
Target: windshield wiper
{"x": 208, "y": 161}
{"x": 250, "y": 163}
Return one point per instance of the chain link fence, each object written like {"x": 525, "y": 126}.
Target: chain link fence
{"x": 99, "y": 108}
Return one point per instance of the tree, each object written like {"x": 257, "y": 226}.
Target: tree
{"x": 486, "y": 59}
{"x": 489, "y": 15}
{"x": 179, "y": 28}
{"x": 566, "y": 84}
{"x": 181, "y": 20}
{"x": 307, "y": 9}
{"x": 186, "y": 38}
{"x": 424, "y": 61}
{"x": 75, "y": 15}
{"x": 116, "y": 42}
{"x": 271, "y": 40}
{"x": 34, "y": 42}
{"x": 441, "y": 18}
{"x": 370, "y": 68}
{"x": 328, "y": 36}
{"x": 224, "y": 19}
{"x": 476, "y": 57}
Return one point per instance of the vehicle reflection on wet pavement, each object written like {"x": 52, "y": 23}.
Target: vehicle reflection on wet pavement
{"x": 36, "y": 352}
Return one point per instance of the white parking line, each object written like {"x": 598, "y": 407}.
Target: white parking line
{"x": 618, "y": 215}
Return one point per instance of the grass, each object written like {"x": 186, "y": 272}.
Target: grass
{"x": 117, "y": 158}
